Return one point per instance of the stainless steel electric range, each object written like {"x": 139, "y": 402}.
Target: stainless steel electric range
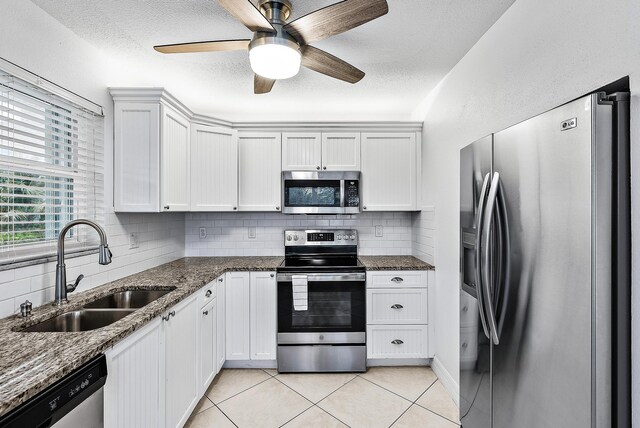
{"x": 321, "y": 303}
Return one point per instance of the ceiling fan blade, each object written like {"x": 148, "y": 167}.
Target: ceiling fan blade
{"x": 262, "y": 85}
{"x": 213, "y": 46}
{"x": 335, "y": 19}
{"x": 245, "y": 12}
{"x": 325, "y": 63}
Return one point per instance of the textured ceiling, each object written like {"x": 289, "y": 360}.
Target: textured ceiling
{"x": 404, "y": 53}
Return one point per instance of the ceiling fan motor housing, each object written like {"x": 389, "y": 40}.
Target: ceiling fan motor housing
{"x": 276, "y": 11}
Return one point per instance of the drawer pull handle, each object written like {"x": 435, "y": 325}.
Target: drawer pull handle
{"x": 207, "y": 294}
{"x": 172, "y": 313}
{"x": 396, "y": 279}
{"x": 166, "y": 318}
{"x": 220, "y": 279}
{"x": 397, "y": 306}
{"x": 205, "y": 313}
{"x": 397, "y": 342}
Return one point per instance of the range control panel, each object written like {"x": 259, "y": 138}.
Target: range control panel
{"x": 321, "y": 237}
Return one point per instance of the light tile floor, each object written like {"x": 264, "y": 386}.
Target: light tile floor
{"x": 407, "y": 397}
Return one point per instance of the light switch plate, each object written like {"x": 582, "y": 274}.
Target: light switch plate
{"x": 379, "y": 231}
{"x": 203, "y": 232}
{"x": 133, "y": 240}
{"x": 252, "y": 232}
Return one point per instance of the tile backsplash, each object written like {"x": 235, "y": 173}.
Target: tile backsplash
{"x": 227, "y": 234}
{"x": 160, "y": 240}
{"x": 423, "y": 232}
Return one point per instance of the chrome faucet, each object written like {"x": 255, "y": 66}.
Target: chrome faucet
{"x": 104, "y": 258}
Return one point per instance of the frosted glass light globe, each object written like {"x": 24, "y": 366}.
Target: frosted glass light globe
{"x": 274, "y": 61}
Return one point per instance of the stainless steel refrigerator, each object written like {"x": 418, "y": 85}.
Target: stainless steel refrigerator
{"x": 545, "y": 282}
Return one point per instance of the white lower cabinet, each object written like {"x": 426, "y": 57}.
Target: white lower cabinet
{"x": 397, "y": 341}
{"x": 153, "y": 374}
{"x": 251, "y": 309}
{"x": 208, "y": 344}
{"x": 220, "y": 324}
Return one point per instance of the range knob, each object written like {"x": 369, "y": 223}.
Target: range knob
{"x": 288, "y": 237}
{"x": 339, "y": 237}
{"x": 352, "y": 237}
{"x": 295, "y": 237}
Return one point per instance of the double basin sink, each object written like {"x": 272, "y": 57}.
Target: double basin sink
{"x": 101, "y": 312}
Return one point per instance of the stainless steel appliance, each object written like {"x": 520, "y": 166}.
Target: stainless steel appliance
{"x": 544, "y": 319}
{"x": 321, "y": 303}
{"x": 74, "y": 401}
{"x": 321, "y": 192}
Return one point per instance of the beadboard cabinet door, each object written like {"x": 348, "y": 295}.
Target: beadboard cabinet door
{"x": 136, "y": 380}
{"x": 181, "y": 362}
{"x": 259, "y": 171}
{"x": 301, "y": 151}
{"x": 214, "y": 168}
{"x": 136, "y": 169}
{"x": 175, "y": 160}
{"x": 264, "y": 315}
{"x": 208, "y": 343}
{"x": 238, "y": 316}
{"x": 221, "y": 323}
{"x": 389, "y": 171}
{"x": 341, "y": 151}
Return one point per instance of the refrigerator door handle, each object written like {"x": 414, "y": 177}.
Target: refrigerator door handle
{"x": 505, "y": 259}
{"x": 478, "y": 255}
{"x": 486, "y": 262}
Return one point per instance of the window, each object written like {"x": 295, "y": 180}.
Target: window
{"x": 51, "y": 157}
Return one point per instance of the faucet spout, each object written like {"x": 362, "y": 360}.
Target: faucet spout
{"x": 104, "y": 257}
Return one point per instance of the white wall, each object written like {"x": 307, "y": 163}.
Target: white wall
{"x": 227, "y": 233}
{"x": 539, "y": 54}
{"x": 33, "y": 40}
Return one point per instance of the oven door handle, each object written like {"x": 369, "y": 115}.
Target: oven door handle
{"x": 327, "y": 277}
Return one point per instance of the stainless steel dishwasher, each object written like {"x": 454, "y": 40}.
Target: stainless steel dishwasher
{"x": 74, "y": 401}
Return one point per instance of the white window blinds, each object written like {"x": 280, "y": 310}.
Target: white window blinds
{"x": 51, "y": 160}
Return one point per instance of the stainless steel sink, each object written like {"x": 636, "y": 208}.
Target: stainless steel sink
{"x": 130, "y": 299}
{"x": 80, "y": 320}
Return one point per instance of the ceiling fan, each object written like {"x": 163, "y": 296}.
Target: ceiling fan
{"x": 279, "y": 47}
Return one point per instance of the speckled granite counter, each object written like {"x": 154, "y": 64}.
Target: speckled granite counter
{"x": 394, "y": 263}
{"x": 30, "y": 362}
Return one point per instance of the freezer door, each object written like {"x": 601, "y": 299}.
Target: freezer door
{"x": 475, "y": 374}
{"x": 543, "y": 368}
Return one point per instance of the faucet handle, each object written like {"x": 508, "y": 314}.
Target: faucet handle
{"x": 25, "y": 308}
{"x": 72, "y": 287}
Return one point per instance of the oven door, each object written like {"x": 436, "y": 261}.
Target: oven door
{"x": 336, "y": 310}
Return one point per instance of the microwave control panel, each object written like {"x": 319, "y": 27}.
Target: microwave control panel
{"x": 352, "y": 193}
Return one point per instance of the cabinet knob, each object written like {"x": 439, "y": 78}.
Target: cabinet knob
{"x": 166, "y": 207}
{"x": 207, "y": 294}
{"x": 166, "y": 317}
{"x": 397, "y": 342}
{"x": 205, "y": 313}
{"x": 364, "y": 208}
{"x": 277, "y": 208}
{"x": 318, "y": 168}
{"x": 324, "y": 167}
{"x": 172, "y": 313}
{"x": 397, "y": 306}
{"x": 235, "y": 208}
{"x": 219, "y": 279}
{"x": 272, "y": 275}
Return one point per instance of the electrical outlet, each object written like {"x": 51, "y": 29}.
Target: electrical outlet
{"x": 203, "y": 232}
{"x": 252, "y": 232}
{"x": 379, "y": 231}
{"x": 133, "y": 240}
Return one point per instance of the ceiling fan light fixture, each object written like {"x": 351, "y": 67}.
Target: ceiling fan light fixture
{"x": 275, "y": 58}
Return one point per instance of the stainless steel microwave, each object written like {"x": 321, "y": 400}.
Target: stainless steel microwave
{"x": 321, "y": 192}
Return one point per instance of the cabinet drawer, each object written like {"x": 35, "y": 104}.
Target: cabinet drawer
{"x": 397, "y": 279}
{"x": 391, "y": 341}
{"x": 397, "y": 306}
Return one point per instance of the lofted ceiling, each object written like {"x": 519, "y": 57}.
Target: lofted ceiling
{"x": 404, "y": 55}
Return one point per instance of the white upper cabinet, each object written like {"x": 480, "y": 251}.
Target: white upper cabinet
{"x": 175, "y": 160}
{"x": 389, "y": 171}
{"x": 341, "y": 151}
{"x": 214, "y": 168}
{"x": 301, "y": 151}
{"x": 315, "y": 151}
{"x": 259, "y": 171}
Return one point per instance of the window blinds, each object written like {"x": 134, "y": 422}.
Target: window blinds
{"x": 51, "y": 160}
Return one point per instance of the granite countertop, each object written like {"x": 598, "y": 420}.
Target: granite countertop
{"x": 30, "y": 362}
{"x": 394, "y": 263}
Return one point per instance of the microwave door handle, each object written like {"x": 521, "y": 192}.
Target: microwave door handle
{"x": 487, "y": 252}
{"x": 478, "y": 254}
{"x": 342, "y": 202}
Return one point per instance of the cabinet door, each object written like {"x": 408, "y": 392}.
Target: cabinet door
{"x": 259, "y": 171}
{"x": 263, "y": 315}
{"x": 237, "y": 315}
{"x": 220, "y": 324}
{"x": 214, "y": 169}
{"x": 208, "y": 341}
{"x": 175, "y": 161}
{"x": 389, "y": 171}
{"x": 341, "y": 151}
{"x": 134, "y": 383}
{"x": 136, "y": 169}
{"x": 301, "y": 151}
{"x": 181, "y": 361}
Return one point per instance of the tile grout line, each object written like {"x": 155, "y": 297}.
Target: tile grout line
{"x": 435, "y": 413}
{"x": 388, "y": 390}
{"x": 226, "y": 416}
{"x": 240, "y": 392}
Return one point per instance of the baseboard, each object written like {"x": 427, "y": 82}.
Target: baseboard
{"x": 388, "y": 362}
{"x": 446, "y": 379}
{"x": 250, "y": 364}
